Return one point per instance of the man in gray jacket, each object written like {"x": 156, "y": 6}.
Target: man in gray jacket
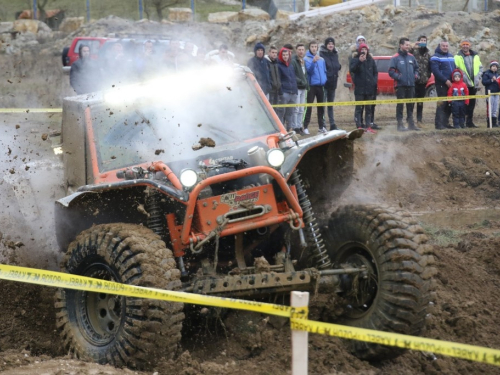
{"x": 403, "y": 69}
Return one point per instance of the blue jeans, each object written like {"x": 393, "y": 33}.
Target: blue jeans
{"x": 330, "y": 97}
{"x": 286, "y": 114}
{"x": 299, "y": 110}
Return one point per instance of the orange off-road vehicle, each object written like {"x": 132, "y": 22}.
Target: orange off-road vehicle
{"x": 191, "y": 183}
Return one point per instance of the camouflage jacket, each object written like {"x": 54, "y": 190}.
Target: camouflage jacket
{"x": 424, "y": 64}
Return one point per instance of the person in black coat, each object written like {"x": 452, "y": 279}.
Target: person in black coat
{"x": 275, "y": 75}
{"x": 260, "y": 68}
{"x": 330, "y": 54}
{"x": 365, "y": 81}
{"x": 84, "y": 75}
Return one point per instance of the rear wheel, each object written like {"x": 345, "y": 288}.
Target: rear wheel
{"x": 122, "y": 331}
{"x": 397, "y": 289}
{"x": 431, "y": 92}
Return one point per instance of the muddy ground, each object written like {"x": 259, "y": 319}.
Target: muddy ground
{"x": 449, "y": 180}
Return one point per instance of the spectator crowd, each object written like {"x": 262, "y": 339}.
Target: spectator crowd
{"x": 309, "y": 73}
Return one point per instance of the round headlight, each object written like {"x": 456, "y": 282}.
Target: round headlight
{"x": 275, "y": 157}
{"x": 189, "y": 178}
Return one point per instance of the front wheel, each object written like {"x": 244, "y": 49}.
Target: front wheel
{"x": 122, "y": 331}
{"x": 396, "y": 290}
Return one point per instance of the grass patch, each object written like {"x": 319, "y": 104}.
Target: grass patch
{"x": 442, "y": 236}
{"x": 128, "y": 9}
{"x": 480, "y": 225}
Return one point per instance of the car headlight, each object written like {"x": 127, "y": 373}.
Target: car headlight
{"x": 189, "y": 178}
{"x": 275, "y": 157}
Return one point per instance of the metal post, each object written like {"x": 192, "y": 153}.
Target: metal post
{"x": 489, "y": 109}
{"x": 34, "y": 9}
{"x": 300, "y": 339}
{"x": 243, "y": 4}
{"x": 294, "y": 6}
{"x": 192, "y": 8}
{"x": 88, "y": 10}
{"x": 140, "y": 9}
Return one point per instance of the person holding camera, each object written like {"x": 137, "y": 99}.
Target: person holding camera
{"x": 365, "y": 79}
{"x": 423, "y": 57}
{"x": 403, "y": 69}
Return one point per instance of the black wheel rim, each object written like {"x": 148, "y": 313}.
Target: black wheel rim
{"x": 101, "y": 315}
{"x": 363, "y": 289}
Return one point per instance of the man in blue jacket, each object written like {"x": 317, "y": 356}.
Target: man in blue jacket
{"x": 316, "y": 74}
{"x": 260, "y": 68}
{"x": 403, "y": 69}
{"x": 442, "y": 65}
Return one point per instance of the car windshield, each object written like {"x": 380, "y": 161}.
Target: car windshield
{"x": 383, "y": 65}
{"x": 182, "y": 123}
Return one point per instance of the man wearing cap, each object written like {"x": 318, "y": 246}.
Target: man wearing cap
{"x": 329, "y": 53}
{"x": 260, "y": 67}
{"x": 403, "y": 69}
{"x": 469, "y": 63}
{"x": 421, "y": 53}
{"x": 442, "y": 65}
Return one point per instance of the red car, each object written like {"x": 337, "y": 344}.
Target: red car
{"x": 385, "y": 82}
{"x": 70, "y": 54}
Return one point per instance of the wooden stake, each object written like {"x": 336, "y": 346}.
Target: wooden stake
{"x": 300, "y": 339}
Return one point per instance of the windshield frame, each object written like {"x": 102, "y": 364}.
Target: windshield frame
{"x": 101, "y": 172}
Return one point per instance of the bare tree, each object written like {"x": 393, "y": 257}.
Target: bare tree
{"x": 42, "y": 14}
{"x": 159, "y": 6}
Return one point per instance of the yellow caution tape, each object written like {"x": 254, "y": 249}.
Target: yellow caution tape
{"x": 30, "y": 110}
{"x": 70, "y": 281}
{"x": 387, "y": 101}
{"x": 298, "y": 315}
{"x": 464, "y": 351}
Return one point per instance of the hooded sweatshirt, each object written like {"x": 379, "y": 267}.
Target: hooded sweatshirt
{"x": 260, "y": 67}
{"x": 287, "y": 74}
{"x": 458, "y": 88}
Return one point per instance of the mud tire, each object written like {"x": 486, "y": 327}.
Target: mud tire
{"x": 134, "y": 332}
{"x": 403, "y": 266}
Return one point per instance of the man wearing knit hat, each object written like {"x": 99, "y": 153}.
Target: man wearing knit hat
{"x": 365, "y": 80}
{"x": 490, "y": 83}
{"x": 469, "y": 63}
{"x": 260, "y": 67}
{"x": 329, "y": 53}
